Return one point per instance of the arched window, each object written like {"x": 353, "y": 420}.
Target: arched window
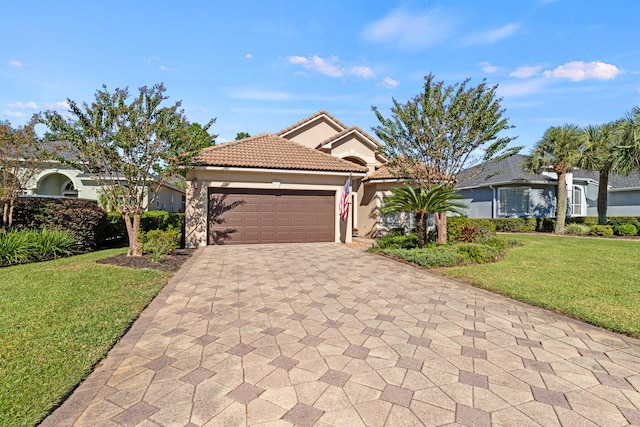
{"x": 68, "y": 190}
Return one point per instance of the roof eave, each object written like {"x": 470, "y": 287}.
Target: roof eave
{"x": 273, "y": 170}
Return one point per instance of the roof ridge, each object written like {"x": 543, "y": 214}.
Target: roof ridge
{"x": 308, "y": 119}
{"x": 345, "y": 132}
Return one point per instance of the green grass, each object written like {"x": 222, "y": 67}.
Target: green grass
{"x": 595, "y": 280}
{"x": 58, "y": 319}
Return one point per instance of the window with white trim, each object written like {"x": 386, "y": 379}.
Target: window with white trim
{"x": 576, "y": 201}
{"x": 513, "y": 201}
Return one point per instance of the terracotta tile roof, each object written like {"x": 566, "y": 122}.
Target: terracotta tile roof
{"x": 309, "y": 119}
{"x": 347, "y": 131}
{"x": 385, "y": 172}
{"x": 273, "y": 152}
{"x": 382, "y": 172}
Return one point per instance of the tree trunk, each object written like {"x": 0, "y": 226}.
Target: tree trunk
{"x": 561, "y": 208}
{"x": 603, "y": 195}
{"x": 421, "y": 229}
{"x": 5, "y": 215}
{"x": 441, "y": 226}
{"x": 10, "y": 216}
{"x": 133, "y": 229}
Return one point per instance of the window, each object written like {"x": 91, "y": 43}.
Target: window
{"x": 576, "y": 201}
{"x": 513, "y": 201}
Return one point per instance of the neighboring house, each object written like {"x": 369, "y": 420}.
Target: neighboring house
{"x": 57, "y": 180}
{"x": 287, "y": 186}
{"x": 504, "y": 189}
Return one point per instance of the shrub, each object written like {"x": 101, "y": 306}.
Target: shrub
{"x": 576, "y": 228}
{"x": 586, "y": 220}
{"x": 479, "y": 253}
{"x": 398, "y": 241}
{"x": 468, "y": 232}
{"x": 514, "y": 225}
{"x": 601, "y": 230}
{"x": 484, "y": 229}
{"x": 116, "y": 231}
{"x": 438, "y": 256}
{"x": 625, "y": 229}
{"x": 161, "y": 242}
{"x": 22, "y": 246}
{"x": 49, "y": 244}
{"x": 82, "y": 218}
{"x": 545, "y": 225}
{"x": 15, "y": 247}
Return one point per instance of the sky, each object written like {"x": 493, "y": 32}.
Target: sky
{"x": 260, "y": 66}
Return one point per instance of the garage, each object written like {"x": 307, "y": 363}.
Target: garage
{"x": 250, "y": 216}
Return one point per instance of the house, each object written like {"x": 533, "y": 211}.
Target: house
{"x": 287, "y": 186}
{"x": 504, "y": 189}
{"x": 57, "y": 180}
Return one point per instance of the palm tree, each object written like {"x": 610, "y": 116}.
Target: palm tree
{"x": 559, "y": 149}
{"x": 599, "y": 154}
{"x": 440, "y": 198}
{"x": 627, "y": 156}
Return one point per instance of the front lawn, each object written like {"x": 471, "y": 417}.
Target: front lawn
{"x": 596, "y": 280}
{"x": 58, "y": 319}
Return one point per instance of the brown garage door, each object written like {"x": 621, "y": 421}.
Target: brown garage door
{"x": 270, "y": 216}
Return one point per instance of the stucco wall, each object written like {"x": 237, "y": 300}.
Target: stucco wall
{"x": 480, "y": 201}
{"x": 624, "y": 203}
{"x": 314, "y": 133}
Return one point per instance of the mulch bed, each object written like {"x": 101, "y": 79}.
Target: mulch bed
{"x": 170, "y": 263}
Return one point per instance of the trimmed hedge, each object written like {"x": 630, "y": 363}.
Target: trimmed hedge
{"x": 84, "y": 219}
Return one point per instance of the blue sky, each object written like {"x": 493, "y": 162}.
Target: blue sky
{"x": 259, "y": 66}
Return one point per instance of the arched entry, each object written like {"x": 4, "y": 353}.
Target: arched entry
{"x": 56, "y": 184}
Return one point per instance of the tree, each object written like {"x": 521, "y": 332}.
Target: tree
{"x": 131, "y": 148}
{"x": 439, "y": 199}
{"x": 242, "y": 135}
{"x": 19, "y": 164}
{"x": 442, "y": 131}
{"x": 599, "y": 154}
{"x": 627, "y": 156}
{"x": 560, "y": 149}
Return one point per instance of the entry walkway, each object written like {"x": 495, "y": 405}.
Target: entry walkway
{"x": 329, "y": 335}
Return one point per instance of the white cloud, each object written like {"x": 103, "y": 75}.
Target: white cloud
{"x": 248, "y": 56}
{"x": 488, "y": 68}
{"x": 15, "y": 114}
{"x": 60, "y": 105}
{"x": 24, "y": 105}
{"x": 331, "y": 67}
{"x": 409, "y": 29}
{"x": 15, "y": 63}
{"x": 578, "y": 70}
{"x": 298, "y": 60}
{"x": 364, "y": 72}
{"x": 491, "y": 36}
{"x": 528, "y": 87}
{"x": 526, "y": 71}
{"x": 163, "y": 68}
{"x": 389, "y": 83}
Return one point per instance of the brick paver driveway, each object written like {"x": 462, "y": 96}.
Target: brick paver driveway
{"x": 329, "y": 335}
